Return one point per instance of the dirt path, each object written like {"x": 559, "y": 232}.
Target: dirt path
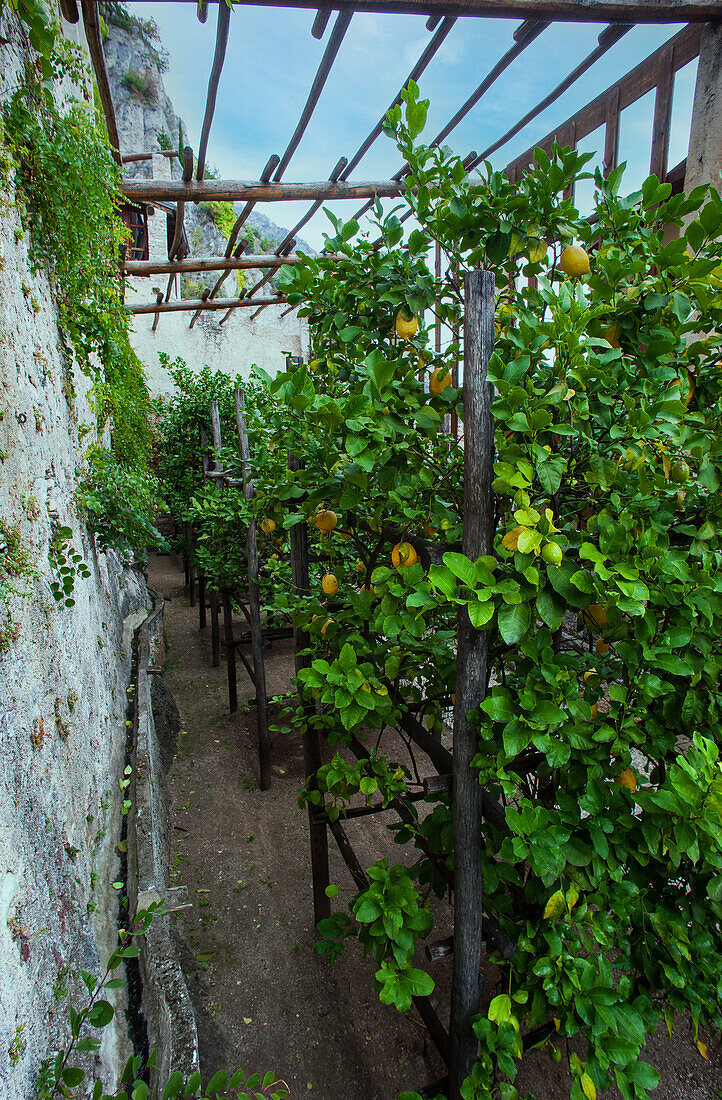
{"x": 263, "y": 999}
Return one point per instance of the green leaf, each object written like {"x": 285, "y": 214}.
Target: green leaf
{"x": 174, "y": 1085}
{"x": 480, "y": 613}
{"x": 461, "y": 567}
{"x": 514, "y": 621}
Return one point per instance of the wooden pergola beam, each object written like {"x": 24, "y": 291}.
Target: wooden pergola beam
{"x": 145, "y": 268}
{"x": 224, "y": 23}
{"x": 138, "y": 190}
{"x": 574, "y": 11}
{"x": 91, "y": 21}
{"x": 185, "y": 305}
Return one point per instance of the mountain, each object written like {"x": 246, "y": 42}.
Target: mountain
{"x": 147, "y": 122}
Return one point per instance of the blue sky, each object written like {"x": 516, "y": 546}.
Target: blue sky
{"x": 272, "y": 59}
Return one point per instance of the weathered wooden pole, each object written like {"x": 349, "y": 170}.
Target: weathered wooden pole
{"x": 471, "y": 673}
{"x": 311, "y": 744}
{"x": 215, "y": 629}
{"x": 254, "y": 601}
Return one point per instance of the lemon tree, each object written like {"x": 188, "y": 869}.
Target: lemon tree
{"x": 603, "y": 600}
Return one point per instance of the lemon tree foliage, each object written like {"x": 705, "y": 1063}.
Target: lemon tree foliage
{"x": 602, "y": 601}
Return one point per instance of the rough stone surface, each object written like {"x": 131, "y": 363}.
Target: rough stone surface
{"x": 63, "y": 683}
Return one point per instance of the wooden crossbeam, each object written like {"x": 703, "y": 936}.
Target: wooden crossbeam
{"x": 208, "y": 263}
{"x": 573, "y": 11}
{"x": 131, "y": 158}
{"x": 184, "y": 305}
{"x": 137, "y": 190}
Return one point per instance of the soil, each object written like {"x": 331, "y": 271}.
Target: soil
{"x": 263, "y": 999}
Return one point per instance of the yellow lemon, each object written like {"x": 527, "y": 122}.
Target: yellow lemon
{"x": 329, "y": 584}
{"x": 595, "y": 616}
{"x": 326, "y": 520}
{"x": 574, "y": 260}
{"x": 602, "y": 647}
{"x": 403, "y": 555}
{"x": 268, "y": 526}
{"x": 406, "y": 328}
{"x": 439, "y": 380}
{"x": 627, "y": 779}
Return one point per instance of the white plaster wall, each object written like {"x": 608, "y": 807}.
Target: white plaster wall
{"x": 232, "y": 347}
{"x": 62, "y": 685}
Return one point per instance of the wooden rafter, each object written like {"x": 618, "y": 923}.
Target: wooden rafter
{"x": 329, "y": 56}
{"x": 91, "y": 21}
{"x": 224, "y": 23}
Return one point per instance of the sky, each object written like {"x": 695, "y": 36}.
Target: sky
{"x": 272, "y": 58}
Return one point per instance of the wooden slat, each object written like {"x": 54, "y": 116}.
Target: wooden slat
{"x": 471, "y": 665}
{"x": 204, "y": 299}
{"x": 574, "y": 11}
{"x": 329, "y": 56}
{"x": 184, "y": 305}
{"x": 138, "y": 190}
{"x": 620, "y": 95}
{"x": 91, "y": 21}
{"x": 222, "y": 29}
{"x": 418, "y": 70}
{"x": 662, "y": 114}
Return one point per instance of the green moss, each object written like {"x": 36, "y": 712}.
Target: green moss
{"x": 140, "y": 84}
{"x": 222, "y": 215}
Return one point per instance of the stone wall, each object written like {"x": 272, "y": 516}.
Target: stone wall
{"x": 63, "y": 679}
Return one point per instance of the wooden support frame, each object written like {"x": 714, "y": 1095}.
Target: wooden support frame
{"x": 145, "y": 268}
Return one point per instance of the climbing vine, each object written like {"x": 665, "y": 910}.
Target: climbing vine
{"x": 67, "y": 188}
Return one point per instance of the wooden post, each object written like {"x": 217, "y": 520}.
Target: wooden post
{"x": 191, "y": 567}
{"x": 230, "y": 649}
{"x": 215, "y": 630}
{"x": 471, "y": 675}
{"x": 201, "y": 602}
{"x": 254, "y": 602}
{"x": 311, "y": 743}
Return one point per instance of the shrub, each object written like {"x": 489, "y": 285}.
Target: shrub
{"x": 140, "y": 84}
{"x": 119, "y": 505}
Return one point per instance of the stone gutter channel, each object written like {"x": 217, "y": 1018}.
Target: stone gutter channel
{"x": 167, "y": 1015}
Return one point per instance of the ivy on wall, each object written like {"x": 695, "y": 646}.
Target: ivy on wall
{"x": 67, "y": 190}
